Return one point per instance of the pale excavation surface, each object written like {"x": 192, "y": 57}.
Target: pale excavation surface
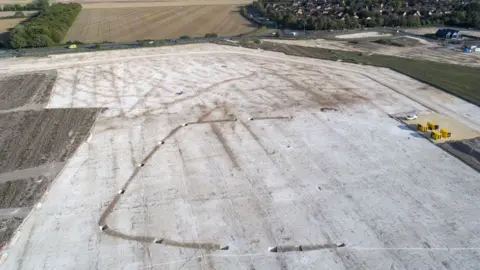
{"x": 320, "y": 162}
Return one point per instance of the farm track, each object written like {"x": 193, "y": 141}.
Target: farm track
{"x": 131, "y": 24}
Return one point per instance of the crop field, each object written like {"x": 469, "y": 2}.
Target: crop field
{"x": 138, "y": 23}
{"x": 9, "y": 23}
{"x": 221, "y": 157}
{"x": 88, "y": 4}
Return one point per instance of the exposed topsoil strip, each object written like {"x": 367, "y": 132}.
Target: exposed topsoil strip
{"x": 466, "y": 150}
{"x": 34, "y": 146}
{"x": 26, "y": 89}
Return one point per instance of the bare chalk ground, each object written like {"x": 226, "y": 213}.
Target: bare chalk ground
{"x": 308, "y": 156}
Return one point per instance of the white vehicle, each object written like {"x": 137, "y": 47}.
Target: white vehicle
{"x": 411, "y": 117}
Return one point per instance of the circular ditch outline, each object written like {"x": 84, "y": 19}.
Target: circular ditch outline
{"x": 102, "y": 222}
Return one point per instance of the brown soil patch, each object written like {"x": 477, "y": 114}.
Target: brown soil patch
{"x": 28, "y": 89}
{"x": 35, "y": 143}
{"x": 31, "y": 139}
{"x": 466, "y": 150}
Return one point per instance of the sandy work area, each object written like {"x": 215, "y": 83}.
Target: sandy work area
{"x": 208, "y": 146}
{"x": 428, "y": 51}
{"x": 458, "y": 130}
{"x": 362, "y": 35}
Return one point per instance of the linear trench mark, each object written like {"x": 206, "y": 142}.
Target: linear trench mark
{"x": 290, "y": 248}
{"x": 218, "y": 133}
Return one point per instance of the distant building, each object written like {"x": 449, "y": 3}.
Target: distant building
{"x": 471, "y": 48}
{"x": 447, "y": 33}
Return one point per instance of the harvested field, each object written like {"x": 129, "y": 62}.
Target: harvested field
{"x": 131, "y": 24}
{"x": 30, "y": 90}
{"x": 5, "y": 25}
{"x": 93, "y": 4}
{"x": 11, "y": 13}
{"x": 9, "y": 23}
{"x": 208, "y": 146}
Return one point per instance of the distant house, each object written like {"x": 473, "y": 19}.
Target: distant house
{"x": 447, "y": 33}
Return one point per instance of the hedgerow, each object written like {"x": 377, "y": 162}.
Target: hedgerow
{"x": 47, "y": 29}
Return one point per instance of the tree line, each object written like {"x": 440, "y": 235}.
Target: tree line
{"x": 35, "y": 5}
{"x": 16, "y": 15}
{"x": 354, "y": 15}
{"x": 46, "y": 29}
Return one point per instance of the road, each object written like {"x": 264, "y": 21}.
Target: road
{"x": 136, "y": 44}
{"x": 118, "y": 45}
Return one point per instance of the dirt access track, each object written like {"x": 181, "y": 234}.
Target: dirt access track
{"x": 291, "y": 163}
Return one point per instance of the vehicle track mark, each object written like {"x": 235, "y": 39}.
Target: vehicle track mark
{"x": 218, "y": 133}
